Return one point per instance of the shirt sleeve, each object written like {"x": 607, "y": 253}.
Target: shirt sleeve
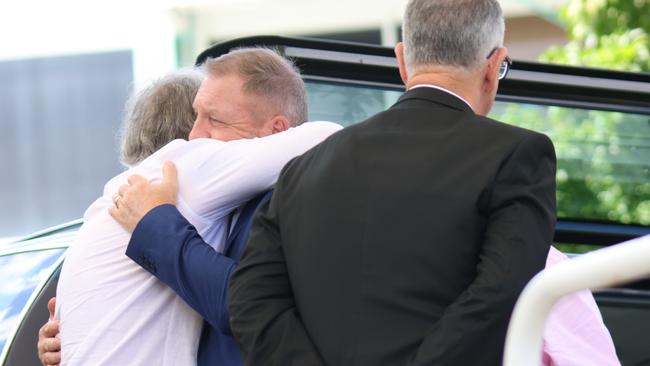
{"x": 574, "y": 333}
{"x": 216, "y": 177}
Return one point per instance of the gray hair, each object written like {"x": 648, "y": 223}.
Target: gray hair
{"x": 459, "y": 33}
{"x": 159, "y": 114}
{"x": 268, "y": 75}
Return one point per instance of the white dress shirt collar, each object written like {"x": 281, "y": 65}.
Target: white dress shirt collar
{"x": 442, "y": 89}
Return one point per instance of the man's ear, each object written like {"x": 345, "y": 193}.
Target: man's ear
{"x": 491, "y": 73}
{"x": 489, "y": 77}
{"x": 279, "y": 123}
{"x": 401, "y": 64}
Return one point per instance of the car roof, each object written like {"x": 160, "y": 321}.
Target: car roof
{"x": 59, "y": 236}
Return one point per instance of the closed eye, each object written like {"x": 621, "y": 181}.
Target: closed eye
{"x": 216, "y": 121}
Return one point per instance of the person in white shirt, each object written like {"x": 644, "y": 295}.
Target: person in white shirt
{"x": 112, "y": 311}
{"x": 156, "y": 115}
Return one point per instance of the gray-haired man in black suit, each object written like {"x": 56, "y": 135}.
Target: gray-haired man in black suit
{"x": 407, "y": 238}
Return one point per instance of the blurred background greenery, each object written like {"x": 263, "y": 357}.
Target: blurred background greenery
{"x": 613, "y": 34}
{"x": 603, "y": 157}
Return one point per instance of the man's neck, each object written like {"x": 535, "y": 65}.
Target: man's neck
{"x": 451, "y": 80}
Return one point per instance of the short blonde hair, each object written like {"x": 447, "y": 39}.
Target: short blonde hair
{"x": 268, "y": 75}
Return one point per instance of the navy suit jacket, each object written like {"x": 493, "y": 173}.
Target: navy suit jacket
{"x": 169, "y": 247}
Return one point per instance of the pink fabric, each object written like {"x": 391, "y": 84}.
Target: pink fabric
{"x": 574, "y": 334}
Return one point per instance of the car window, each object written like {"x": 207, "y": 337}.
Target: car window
{"x": 603, "y": 169}
{"x": 627, "y": 317}
{"x": 20, "y": 274}
{"x": 346, "y": 104}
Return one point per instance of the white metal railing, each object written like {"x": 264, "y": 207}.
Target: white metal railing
{"x": 615, "y": 265}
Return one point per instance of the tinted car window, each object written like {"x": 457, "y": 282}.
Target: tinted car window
{"x": 345, "y": 104}
{"x": 20, "y": 274}
{"x": 603, "y": 165}
{"x": 603, "y": 170}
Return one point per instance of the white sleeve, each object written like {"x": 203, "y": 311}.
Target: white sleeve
{"x": 216, "y": 177}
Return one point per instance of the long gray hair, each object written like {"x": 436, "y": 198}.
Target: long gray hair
{"x": 458, "y": 33}
{"x": 159, "y": 114}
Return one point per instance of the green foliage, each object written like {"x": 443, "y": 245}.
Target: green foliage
{"x": 605, "y": 33}
{"x": 598, "y": 17}
{"x": 603, "y": 157}
{"x": 576, "y": 248}
{"x": 602, "y": 171}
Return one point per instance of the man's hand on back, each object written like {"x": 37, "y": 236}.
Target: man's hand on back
{"x": 135, "y": 199}
{"x": 49, "y": 345}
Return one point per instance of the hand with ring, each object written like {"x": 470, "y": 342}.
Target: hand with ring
{"x": 139, "y": 196}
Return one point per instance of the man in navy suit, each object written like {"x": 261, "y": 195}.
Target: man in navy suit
{"x": 164, "y": 243}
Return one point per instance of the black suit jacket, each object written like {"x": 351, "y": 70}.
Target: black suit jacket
{"x": 403, "y": 240}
